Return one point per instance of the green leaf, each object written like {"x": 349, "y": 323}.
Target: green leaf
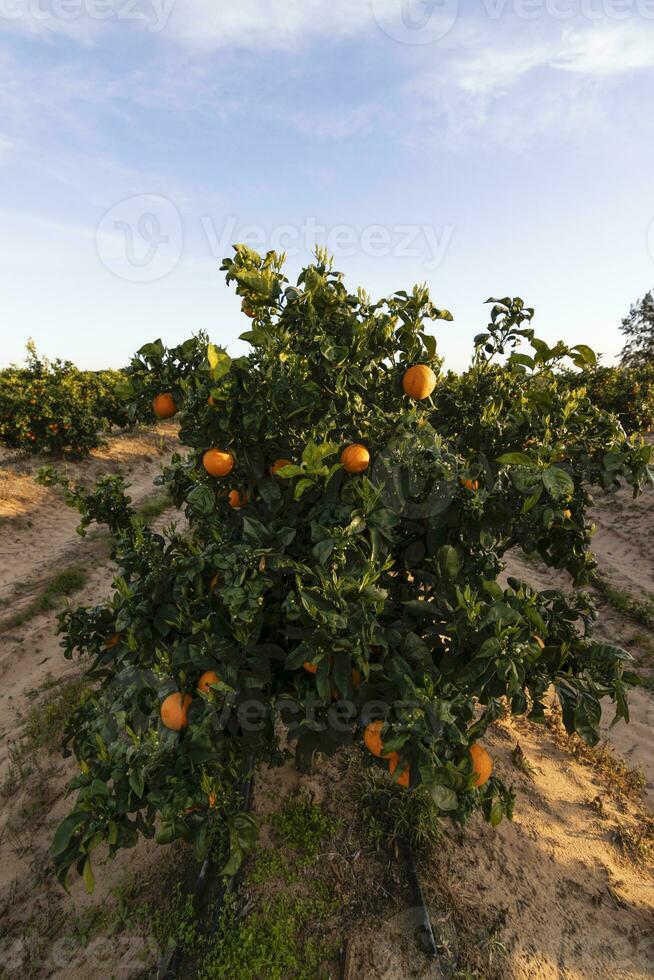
{"x": 514, "y": 459}
{"x": 587, "y": 356}
{"x": 558, "y": 483}
{"x": 65, "y": 831}
{"x": 444, "y": 798}
{"x": 496, "y": 813}
{"x": 89, "y": 879}
{"x": 449, "y": 562}
{"x": 202, "y": 499}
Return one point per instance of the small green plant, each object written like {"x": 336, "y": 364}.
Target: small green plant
{"x": 640, "y": 612}
{"x": 154, "y": 507}
{"x": 272, "y": 942}
{"x": 391, "y": 816}
{"x": 46, "y": 722}
{"x": 271, "y": 865}
{"x": 66, "y": 583}
{"x": 303, "y": 825}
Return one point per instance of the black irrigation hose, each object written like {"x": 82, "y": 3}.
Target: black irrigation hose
{"x": 176, "y": 960}
{"x": 425, "y": 931}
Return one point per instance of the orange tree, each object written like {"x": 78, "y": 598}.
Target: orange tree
{"x": 347, "y": 518}
{"x": 626, "y": 391}
{"x": 52, "y": 406}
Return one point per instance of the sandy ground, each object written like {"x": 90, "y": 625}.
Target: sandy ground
{"x": 555, "y": 894}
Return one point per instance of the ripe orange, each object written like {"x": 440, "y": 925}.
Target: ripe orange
{"x": 355, "y": 458}
{"x": 164, "y": 406}
{"x": 372, "y": 739}
{"x": 567, "y": 513}
{"x": 218, "y": 463}
{"x": 212, "y": 799}
{"x": 482, "y": 764}
{"x": 112, "y": 641}
{"x": 405, "y": 778}
{"x": 310, "y": 668}
{"x": 471, "y": 484}
{"x": 211, "y": 400}
{"x": 279, "y": 464}
{"x": 237, "y": 499}
{"x": 419, "y": 381}
{"x": 173, "y": 711}
{"x": 208, "y": 678}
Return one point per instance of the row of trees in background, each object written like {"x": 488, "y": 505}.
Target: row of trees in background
{"x": 54, "y": 407}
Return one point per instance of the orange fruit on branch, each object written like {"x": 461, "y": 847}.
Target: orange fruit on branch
{"x": 471, "y": 485}
{"x": 278, "y": 465}
{"x": 355, "y": 458}
{"x": 164, "y": 406}
{"x": 482, "y": 764}
{"x": 218, "y": 463}
{"x": 405, "y": 777}
{"x": 237, "y": 499}
{"x": 208, "y": 678}
{"x": 372, "y": 739}
{"x": 419, "y": 382}
{"x": 173, "y": 711}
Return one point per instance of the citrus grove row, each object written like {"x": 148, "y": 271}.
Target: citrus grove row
{"x": 336, "y": 579}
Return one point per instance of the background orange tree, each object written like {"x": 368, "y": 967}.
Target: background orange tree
{"x": 303, "y": 593}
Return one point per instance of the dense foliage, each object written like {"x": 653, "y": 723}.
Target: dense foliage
{"x": 626, "y": 391}
{"x": 54, "y": 407}
{"x": 324, "y": 598}
{"x": 638, "y": 328}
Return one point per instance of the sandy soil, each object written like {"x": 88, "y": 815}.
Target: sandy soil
{"x": 558, "y": 893}
{"x": 37, "y": 533}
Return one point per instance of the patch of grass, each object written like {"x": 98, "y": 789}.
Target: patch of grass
{"x": 271, "y": 942}
{"x": 64, "y": 584}
{"x": 154, "y": 506}
{"x": 271, "y": 865}
{"x": 645, "y": 642}
{"x": 621, "y": 781}
{"x": 636, "y": 843}
{"x": 45, "y": 724}
{"x": 640, "y": 612}
{"x": 42, "y": 729}
{"x": 390, "y": 815}
{"x": 647, "y": 681}
{"x": 303, "y": 824}
{"x": 521, "y": 761}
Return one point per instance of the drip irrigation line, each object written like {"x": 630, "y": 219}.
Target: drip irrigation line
{"x": 177, "y": 958}
{"x": 425, "y": 931}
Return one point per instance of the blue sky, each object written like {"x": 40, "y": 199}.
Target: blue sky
{"x": 487, "y": 147}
